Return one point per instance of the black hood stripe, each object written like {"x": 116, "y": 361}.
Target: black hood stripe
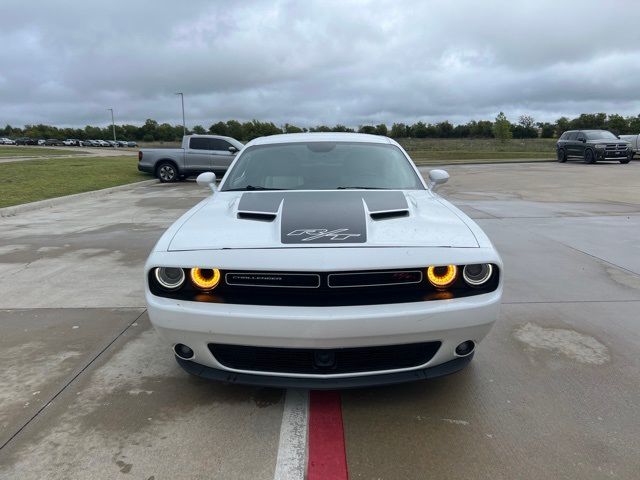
{"x": 323, "y": 216}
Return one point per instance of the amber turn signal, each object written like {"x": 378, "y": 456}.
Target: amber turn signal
{"x": 205, "y": 278}
{"x": 443, "y": 276}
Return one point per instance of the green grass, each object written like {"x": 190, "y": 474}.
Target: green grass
{"x": 437, "y": 150}
{"x": 34, "y": 180}
{"x": 33, "y": 151}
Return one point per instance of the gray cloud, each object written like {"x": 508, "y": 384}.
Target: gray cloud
{"x": 316, "y": 62}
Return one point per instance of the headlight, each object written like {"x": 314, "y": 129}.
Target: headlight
{"x": 441, "y": 277}
{"x": 170, "y": 278}
{"x": 600, "y": 146}
{"x": 477, "y": 274}
{"x": 205, "y": 278}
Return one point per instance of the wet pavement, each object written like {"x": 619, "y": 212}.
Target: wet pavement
{"x": 87, "y": 389}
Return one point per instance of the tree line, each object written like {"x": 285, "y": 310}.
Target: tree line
{"x": 501, "y": 128}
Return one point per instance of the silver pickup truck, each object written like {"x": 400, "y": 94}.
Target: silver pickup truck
{"x": 199, "y": 153}
{"x": 634, "y": 140}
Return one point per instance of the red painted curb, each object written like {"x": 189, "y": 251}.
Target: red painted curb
{"x": 327, "y": 456}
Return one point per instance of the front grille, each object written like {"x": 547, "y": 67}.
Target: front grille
{"x": 324, "y": 362}
{"x": 373, "y": 279}
{"x": 273, "y": 279}
{"x": 612, "y": 147}
{"x": 324, "y": 289}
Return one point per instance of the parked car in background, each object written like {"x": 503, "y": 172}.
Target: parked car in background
{"x": 592, "y": 146}
{"x": 53, "y": 142}
{"x": 26, "y": 141}
{"x": 121, "y": 143}
{"x": 6, "y": 141}
{"x": 102, "y": 143}
{"x": 634, "y": 141}
{"x": 41, "y": 142}
{"x": 132, "y": 144}
{"x": 72, "y": 142}
{"x": 199, "y": 153}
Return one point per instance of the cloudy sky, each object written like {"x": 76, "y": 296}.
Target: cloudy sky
{"x": 309, "y": 63}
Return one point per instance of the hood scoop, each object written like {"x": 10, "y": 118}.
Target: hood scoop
{"x": 257, "y": 216}
{"x": 386, "y": 206}
{"x": 389, "y": 214}
{"x": 261, "y": 208}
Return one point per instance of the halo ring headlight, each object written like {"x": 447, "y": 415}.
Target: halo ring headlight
{"x": 169, "y": 278}
{"x": 205, "y": 278}
{"x": 442, "y": 276}
{"x": 477, "y": 274}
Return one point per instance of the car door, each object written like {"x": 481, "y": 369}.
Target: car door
{"x": 199, "y": 154}
{"x": 580, "y": 144}
{"x": 222, "y": 157}
{"x": 570, "y": 145}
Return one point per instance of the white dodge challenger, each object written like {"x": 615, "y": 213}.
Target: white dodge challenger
{"x": 323, "y": 261}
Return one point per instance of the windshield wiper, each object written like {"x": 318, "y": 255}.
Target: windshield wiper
{"x": 251, "y": 187}
{"x": 360, "y": 188}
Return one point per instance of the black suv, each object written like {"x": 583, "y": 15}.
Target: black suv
{"x": 593, "y": 145}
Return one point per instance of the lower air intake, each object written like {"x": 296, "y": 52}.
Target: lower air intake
{"x": 324, "y": 361}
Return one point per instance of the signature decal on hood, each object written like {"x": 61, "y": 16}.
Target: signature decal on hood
{"x": 316, "y": 233}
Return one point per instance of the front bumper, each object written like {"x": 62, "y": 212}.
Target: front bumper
{"x": 197, "y": 325}
{"x": 612, "y": 155}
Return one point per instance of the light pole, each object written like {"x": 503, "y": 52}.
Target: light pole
{"x": 113, "y": 125}
{"x": 184, "y": 128}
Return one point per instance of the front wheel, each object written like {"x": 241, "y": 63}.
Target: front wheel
{"x": 562, "y": 156}
{"x": 626, "y": 160}
{"x": 167, "y": 172}
{"x": 589, "y": 157}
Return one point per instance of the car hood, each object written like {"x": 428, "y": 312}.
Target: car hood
{"x": 350, "y": 218}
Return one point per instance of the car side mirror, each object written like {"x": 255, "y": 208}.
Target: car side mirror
{"x": 233, "y": 149}
{"x": 437, "y": 178}
{"x": 207, "y": 179}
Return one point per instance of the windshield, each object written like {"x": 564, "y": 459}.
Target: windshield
{"x": 322, "y": 166}
{"x": 601, "y": 135}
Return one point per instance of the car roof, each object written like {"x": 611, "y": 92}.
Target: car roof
{"x": 587, "y": 130}
{"x": 320, "y": 137}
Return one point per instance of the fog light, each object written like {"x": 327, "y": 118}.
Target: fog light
{"x": 477, "y": 274}
{"x": 169, "y": 277}
{"x": 465, "y": 348}
{"x": 205, "y": 278}
{"x": 442, "y": 277}
{"x": 183, "y": 351}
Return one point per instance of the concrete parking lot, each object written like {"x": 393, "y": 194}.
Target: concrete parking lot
{"x": 87, "y": 389}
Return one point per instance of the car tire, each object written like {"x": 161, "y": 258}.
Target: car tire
{"x": 626, "y": 160}
{"x": 589, "y": 157}
{"x": 167, "y": 172}
{"x": 562, "y": 155}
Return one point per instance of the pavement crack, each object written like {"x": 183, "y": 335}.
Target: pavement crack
{"x": 71, "y": 380}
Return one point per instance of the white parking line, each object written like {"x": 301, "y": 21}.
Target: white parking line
{"x": 292, "y": 449}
